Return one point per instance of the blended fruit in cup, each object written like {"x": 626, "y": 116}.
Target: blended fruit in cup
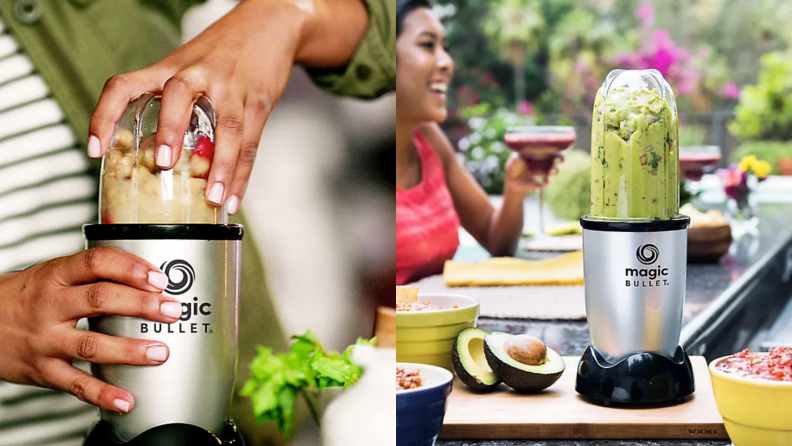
{"x": 635, "y": 161}
{"x": 136, "y": 190}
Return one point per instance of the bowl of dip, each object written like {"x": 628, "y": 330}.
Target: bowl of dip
{"x": 421, "y": 399}
{"x": 753, "y": 392}
{"x": 426, "y": 329}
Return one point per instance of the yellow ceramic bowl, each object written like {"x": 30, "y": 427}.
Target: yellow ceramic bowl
{"x": 755, "y": 412}
{"x": 426, "y": 337}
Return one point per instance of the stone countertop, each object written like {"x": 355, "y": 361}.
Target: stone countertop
{"x": 706, "y": 284}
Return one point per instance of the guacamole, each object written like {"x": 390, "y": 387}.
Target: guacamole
{"x": 635, "y": 162}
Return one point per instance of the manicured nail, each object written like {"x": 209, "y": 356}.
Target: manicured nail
{"x": 157, "y": 353}
{"x": 216, "y": 193}
{"x": 158, "y": 280}
{"x": 233, "y": 204}
{"x": 121, "y": 405}
{"x": 94, "y": 147}
{"x": 171, "y": 309}
{"x": 164, "y": 156}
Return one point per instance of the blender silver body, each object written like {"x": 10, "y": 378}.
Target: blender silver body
{"x": 635, "y": 290}
{"x": 194, "y": 386}
{"x": 162, "y": 216}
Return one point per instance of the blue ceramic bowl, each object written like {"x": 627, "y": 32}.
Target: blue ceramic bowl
{"x": 420, "y": 412}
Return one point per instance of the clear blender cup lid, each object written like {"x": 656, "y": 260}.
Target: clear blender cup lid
{"x": 134, "y": 189}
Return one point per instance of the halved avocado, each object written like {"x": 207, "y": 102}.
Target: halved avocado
{"x": 469, "y": 362}
{"x": 523, "y": 362}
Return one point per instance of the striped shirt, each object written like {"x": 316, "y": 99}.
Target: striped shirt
{"x": 427, "y": 224}
{"x": 46, "y": 194}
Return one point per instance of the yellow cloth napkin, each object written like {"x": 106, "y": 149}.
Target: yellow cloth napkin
{"x": 503, "y": 271}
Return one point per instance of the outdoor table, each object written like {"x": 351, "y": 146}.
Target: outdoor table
{"x": 728, "y": 306}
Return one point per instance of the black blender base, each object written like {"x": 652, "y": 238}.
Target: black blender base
{"x": 167, "y": 435}
{"x": 639, "y": 379}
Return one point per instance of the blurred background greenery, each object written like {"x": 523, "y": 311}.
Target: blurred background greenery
{"x": 541, "y": 61}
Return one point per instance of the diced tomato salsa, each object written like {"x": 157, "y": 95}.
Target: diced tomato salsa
{"x": 773, "y": 366}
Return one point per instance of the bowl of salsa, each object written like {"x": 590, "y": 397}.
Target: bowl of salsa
{"x": 753, "y": 392}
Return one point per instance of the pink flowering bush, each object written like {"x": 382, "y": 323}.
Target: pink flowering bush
{"x": 698, "y": 77}
{"x": 584, "y": 48}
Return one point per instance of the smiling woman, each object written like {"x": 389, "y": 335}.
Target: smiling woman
{"x": 434, "y": 193}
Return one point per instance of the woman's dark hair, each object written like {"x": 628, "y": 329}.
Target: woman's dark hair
{"x": 404, "y": 7}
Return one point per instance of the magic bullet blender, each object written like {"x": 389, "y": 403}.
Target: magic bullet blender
{"x": 163, "y": 217}
{"x": 635, "y": 247}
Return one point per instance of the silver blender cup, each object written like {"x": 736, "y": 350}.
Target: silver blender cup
{"x": 635, "y": 246}
{"x": 163, "y": 217}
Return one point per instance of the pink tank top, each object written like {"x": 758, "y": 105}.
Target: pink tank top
{"x": 427, "y": 225}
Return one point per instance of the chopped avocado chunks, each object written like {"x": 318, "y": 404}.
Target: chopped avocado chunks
{"x": 635, "y": 168}
{"x": 469, "y": 362}
{"x": 522, "y": 362}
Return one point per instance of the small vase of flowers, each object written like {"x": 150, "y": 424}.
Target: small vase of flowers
{"x": 739, "y": 180}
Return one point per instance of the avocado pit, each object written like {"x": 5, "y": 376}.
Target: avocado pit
{"x": 526, "y": 349}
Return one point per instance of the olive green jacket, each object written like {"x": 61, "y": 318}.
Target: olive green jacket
{"x": 76, "y": 45}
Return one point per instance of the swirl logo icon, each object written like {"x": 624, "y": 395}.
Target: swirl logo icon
{"x": 647, "y": 254}
{"x": 184, "y": 282}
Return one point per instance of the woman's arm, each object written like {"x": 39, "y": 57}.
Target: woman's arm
{"x": 496, "y": 230}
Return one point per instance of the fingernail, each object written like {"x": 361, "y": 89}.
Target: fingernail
{"x": 216, "y": 193}
{"x": 158, "y": 280}
{"x": 121, "y": 405}
{"x": 233, "y": 204}
{"x": 94, "y": 147}
{"x": 171, "y": 309}
{"x": 157, "y": 353}
{"x": 164, "y": 156}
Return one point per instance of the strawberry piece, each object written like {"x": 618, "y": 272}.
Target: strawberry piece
{"x": 201, "y": 159}
{"x": 204, "y": 148}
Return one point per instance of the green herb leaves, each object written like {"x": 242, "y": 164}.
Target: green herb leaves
{"x": 279, "y": 378}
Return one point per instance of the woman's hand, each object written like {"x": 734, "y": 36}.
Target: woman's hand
{"x": 40, "y": 307}
{"x": 242, "y": 63}
{"x": 518, "y": 178}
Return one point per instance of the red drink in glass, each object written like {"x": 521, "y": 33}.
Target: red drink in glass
{"x": 693, "y": 165}
{"x": 540, "y": 146}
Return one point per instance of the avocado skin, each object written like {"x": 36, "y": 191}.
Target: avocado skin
{"x": 466, "y": 378}
{"x": 519, "y": 380}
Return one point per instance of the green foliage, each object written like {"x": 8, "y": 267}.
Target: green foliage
{"x": 765, "y": 109}
{"x": 570, "y": 45}
{"x": 484, "y": 75}
{"x": 691, "y": 135}
{"x": 685, "y": 196}
{"x": 581, "y": 50}
{"x": 743, "y": 31}
{"x": 569, "y": 193}
{"x": 484, "y": 152}
{"x": 770, "y": 151}
{"x": 279, "y": 377}
{"x": 515, "y": 25}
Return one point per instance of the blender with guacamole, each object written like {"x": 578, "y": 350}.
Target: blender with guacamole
{"x": 635, "y": 161}
{"x": 635, "y": 248}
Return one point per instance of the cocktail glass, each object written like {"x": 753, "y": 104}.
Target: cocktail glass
{"x": 540, "y": 147}
{"x": 695, "y": 161}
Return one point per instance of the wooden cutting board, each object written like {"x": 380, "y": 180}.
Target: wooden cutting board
{"x": 560, "y": 413}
